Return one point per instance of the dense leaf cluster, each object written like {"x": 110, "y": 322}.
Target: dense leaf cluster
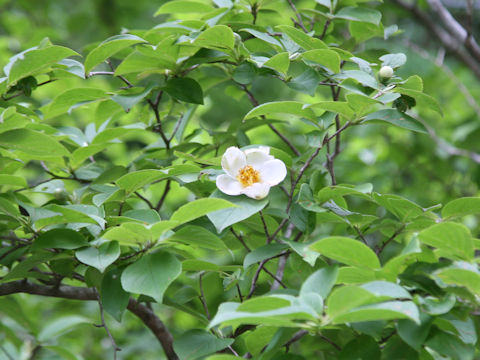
{"x": 108, "y": 192}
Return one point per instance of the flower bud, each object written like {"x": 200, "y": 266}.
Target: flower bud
{"x": 386, "y": 72}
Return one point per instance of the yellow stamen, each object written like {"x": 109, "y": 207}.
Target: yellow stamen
{"x": 248, "y": 176}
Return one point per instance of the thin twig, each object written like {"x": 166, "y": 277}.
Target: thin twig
{"x": 164, "y": 195}
{"x": 240, "y": 238}
{"x": 379, "y": 249}
{"x": 148, "y": 202}
{"x": 299, "y": 17}
{"x": 325, "y": 28}
{"x": 129, "y": 84}
{"x": 107, "y": 330}
{"x": 202, "y": 296}
{"x": 265, "y": 229}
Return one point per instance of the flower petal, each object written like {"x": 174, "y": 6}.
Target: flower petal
{"x": 228, "y": 185}
{"x": 257, "y": 157}
{"x": 233, "y": 160}
{"x": 257, "y": 191}
{"x": 273, "y": 172}
{"x": 264, "y": 149}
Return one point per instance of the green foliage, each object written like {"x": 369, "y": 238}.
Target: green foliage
{"x": 111, "y": 157}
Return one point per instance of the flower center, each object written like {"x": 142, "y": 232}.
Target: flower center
{"x": 248, "y": 176}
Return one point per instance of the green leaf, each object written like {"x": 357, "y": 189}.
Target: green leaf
{"x": 128, "y": 98}
{"x": 360, "y": 76}
{"x": 340, "y": 107}
{"x": 360, "y": 103}
{"x": 267, "y": 310}
{"x": 451, "y": 346}
{"x": 347, "y": 251}
{"x": 393, "y": 60}
{"x": 345, "y": 298}
{"x": 362, "y": 347}
{"x": 412, "y": 333}
{"x": 385, "y": 289}
{"x": 198, "y": 236}
{"x": 461, "y": 274}
{"x": 307, "y": 42}
{"x": 281, "y": 107}
{"x": 12, "y": 180}
{"x": 321, "y": 281}
{"x": 402, "y": 208}
{"x": 63, "y": 352}
{"x": 151, "y": 274}
{"x": 114, "y": 298}
{"x": 244, "y": 73}
{"x": 383, "y": 311}
{"x": 101, "y": 257}
{"x": 361, "y": 14}
{"x": 198, "y": 208}
{"x": 262, "y": 253}
{"x": 264, "y": 37}
{"x": 328, "y": 58}
{"x": 60, "y": 239}
{"x": 461, "y": 207}
{"x": 279, "y": 62}
{"x": 60, "y": 326}
{"x": 217, "y": 37}
{"x": 185, "y": 89}
{"x": 422, "y": 99}
{"x": 133, "y": 181}
{"x": 70, "y": 99}
{"x": 195, "y": 344}
{"x": 129, "y": 234}
{"x": 139, "y": 62}
{"x": 37, "y": 60}
{"x": 397, "y": 118}
{"x": 453, "y": 238}
{"x": 245, "y": 207}
{"x": 306, "y": 82}
{"x": 33, "y": 143}
{"x": 183, "y": 6}
{"x": 108, "y": 48}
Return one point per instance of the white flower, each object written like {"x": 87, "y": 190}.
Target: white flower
{"x": 251, "y": 172}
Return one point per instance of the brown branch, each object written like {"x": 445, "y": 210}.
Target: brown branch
{"x": 454, "y": 27}
{"x": 164, "y": 195}
{"x": 148, "y": 317}
{"x": 391, "y": 238}
{"x": 448, "y": 41}
{"x": 202, "y": 296}
{"x": 299, "y": 17}
{"x": 129, "y": 84}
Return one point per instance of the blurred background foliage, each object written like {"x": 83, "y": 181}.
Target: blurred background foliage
{"x": 395, "y": 161}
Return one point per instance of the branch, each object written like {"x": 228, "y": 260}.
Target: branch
{"x": 448, "y": 41}
{"x": 454, "y": 27}
{"x": 148, "y": 317}
{"x": 104, "y": 325}
{"x": 299, "y": 17}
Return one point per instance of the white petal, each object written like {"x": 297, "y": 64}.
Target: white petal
{"x": 228, "y": 185}
{"x": 257, "y": 158}
{"x": 273, "y": 172}
{"x": 233, "y": 160}
{"x": 264, "y": 149}
{"x": 257, "y": 191}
